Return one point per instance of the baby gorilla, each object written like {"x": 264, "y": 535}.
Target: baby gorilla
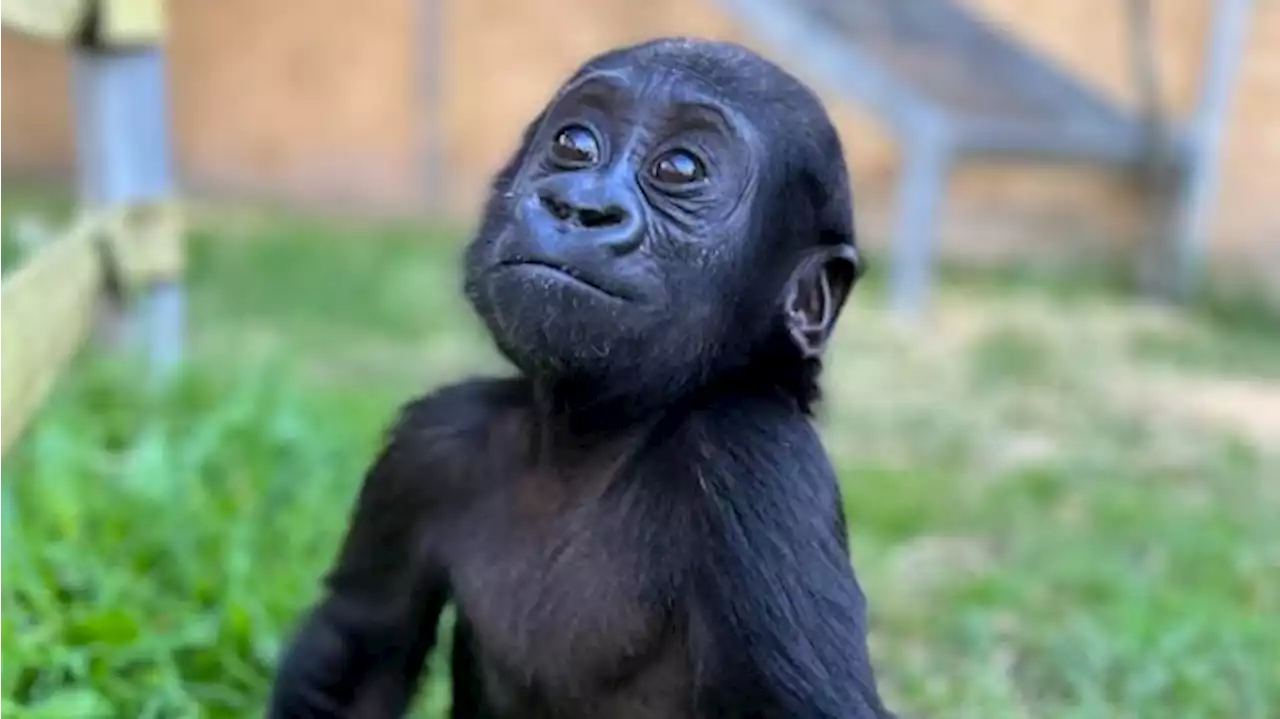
{"x": 643, "y": 522}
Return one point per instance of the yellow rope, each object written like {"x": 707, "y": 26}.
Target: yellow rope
{"x": 48, "y": 308}
{"x": 46, "y": 19}
{"x": 119, "y": 22}
{"x": 131, "y": 22}
{"x": 145, "y": 242}
{"x": 49, "y": 303}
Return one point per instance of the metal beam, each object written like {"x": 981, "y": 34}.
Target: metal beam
{"x": 1224, "y": 53}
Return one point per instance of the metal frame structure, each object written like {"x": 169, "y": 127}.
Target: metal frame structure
{"x": 955, "y": 89}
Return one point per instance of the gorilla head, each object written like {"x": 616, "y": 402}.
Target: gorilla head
{"x": 677, "y": 217}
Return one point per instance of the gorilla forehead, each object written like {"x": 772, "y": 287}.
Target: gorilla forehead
{"x": 731, "y": 74}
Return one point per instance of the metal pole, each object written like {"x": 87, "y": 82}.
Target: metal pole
{"x": 430, "y": 76}
{"x": 123, "y": 155}
{"x": 927, "y": 158}
{"x": 1223, "y": 55}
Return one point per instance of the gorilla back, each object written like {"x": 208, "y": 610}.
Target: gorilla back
{"x": 642, "y": 522}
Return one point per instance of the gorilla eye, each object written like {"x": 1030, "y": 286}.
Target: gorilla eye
{"x": 678, "y": 167}
{"x": 576, "y": 145}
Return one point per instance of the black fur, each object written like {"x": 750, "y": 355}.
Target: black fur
{"x": 643, "y": 523}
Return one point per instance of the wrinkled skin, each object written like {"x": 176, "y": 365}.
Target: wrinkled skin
{"x": 649, "y": 246}
{"x": 642, "y": 522}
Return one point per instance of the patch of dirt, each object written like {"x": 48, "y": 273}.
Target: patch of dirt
{"x": 1249, "y": 408}
{"x": 1252, "y": 407}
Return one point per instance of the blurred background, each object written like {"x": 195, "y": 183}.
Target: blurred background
{"x": 1054, "y": 404}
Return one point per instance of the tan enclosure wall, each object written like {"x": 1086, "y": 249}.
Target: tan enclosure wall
{"x": 317, "y": 101}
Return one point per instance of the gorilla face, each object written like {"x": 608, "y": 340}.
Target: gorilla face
{"x": 652, "y": 222}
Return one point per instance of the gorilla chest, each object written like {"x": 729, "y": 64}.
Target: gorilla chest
{"x": 559, "y": 589}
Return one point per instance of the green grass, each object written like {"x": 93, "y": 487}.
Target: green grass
{"x": 1052, "y": 510}
{"x": 11, "y": 250}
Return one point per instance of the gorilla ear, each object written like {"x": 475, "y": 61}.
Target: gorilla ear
{"x": 816, "y": 293}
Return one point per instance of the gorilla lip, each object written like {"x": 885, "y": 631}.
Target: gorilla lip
{"x": 562, "y": 271}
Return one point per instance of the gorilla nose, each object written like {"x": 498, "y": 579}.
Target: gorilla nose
{"x": 586, "y": 217}
{"x": 609, "y": 217}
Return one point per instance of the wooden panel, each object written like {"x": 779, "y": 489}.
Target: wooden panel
{"x": 36, "y": 132}
{"x": 300, "y": 99}
{"x": 307, "y": 100}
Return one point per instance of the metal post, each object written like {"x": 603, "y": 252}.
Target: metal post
{"x": 430, "y": 76}
{"x": 123, "y": 152}
{"x": 926, "y": 163}
{"x": 1223, "y": 54}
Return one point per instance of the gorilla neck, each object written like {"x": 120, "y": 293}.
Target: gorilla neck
{"x": 585, "y": 408}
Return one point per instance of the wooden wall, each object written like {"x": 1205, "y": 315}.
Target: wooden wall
{"x": 307, "y": 101}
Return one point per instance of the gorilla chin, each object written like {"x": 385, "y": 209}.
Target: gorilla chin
{"x": 547, "y": 318}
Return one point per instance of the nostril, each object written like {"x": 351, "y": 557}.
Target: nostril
{"x": 607, "y": 217}
{"x": 587, "y": 218}
{"x": 558, "y": 209}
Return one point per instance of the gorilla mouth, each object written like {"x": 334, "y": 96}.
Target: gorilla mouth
{"x": 562, "y": 272}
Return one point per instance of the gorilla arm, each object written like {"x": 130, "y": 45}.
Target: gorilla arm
{"x": 362, "y": 647}
{"x": 777, "y": 621}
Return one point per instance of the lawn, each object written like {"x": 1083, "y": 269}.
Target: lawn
{"x": 1061, "y": 504}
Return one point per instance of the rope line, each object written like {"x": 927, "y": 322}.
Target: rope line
{"x": 50, "y": 303}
